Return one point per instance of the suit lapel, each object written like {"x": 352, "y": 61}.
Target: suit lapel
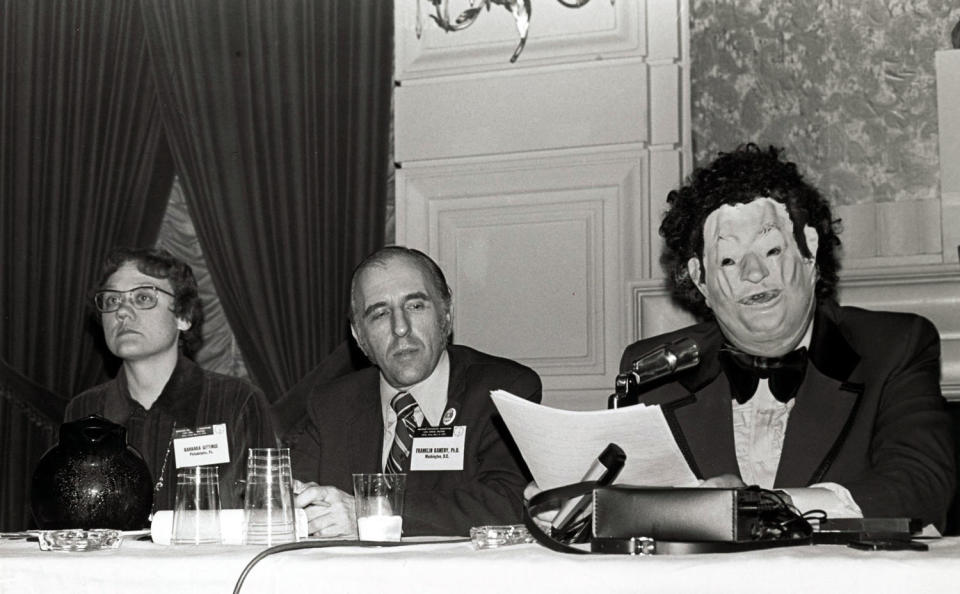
{"x": 366, "y": 420}
{"x": 816, "y": 427}
{"x": 697, "y": 409}
{"x": 825, "y": 404}
{"x": 456, "y": 385}
{"x": 702, "y": 426}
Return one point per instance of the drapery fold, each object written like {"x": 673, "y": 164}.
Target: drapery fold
{"x": 219, "y": 351}
{"x": 29, "y": 418}
{"x": 277, "y": 114}
{"x": 83, "y": 167}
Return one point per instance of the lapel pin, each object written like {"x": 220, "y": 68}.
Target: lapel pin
{"x": 449, "y": 416}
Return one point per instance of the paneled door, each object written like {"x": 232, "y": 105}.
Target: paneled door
{"x": 538, "y": 185}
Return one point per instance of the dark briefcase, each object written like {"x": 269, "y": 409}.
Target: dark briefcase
{"x": 694, "y": 514}
{"x": 664, "y": 521}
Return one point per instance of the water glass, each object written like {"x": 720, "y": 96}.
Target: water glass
{"x": 379, "y": 505}
{"x": 268, "y": 504}
{"x": 196, "y": 515}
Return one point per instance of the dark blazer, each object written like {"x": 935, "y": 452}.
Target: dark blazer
{"x": 869, "y": 415}
{"x": 342, "y": 434}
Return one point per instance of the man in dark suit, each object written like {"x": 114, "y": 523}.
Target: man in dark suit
{"x": 401, "y": 317}
{"x": 793, "y": 390}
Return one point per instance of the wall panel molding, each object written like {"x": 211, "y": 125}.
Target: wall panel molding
{"x": 948, "y": 117}
{"x": 931, "y": 291}
{"x": 653, "y": 311}
{"x": 596, "y": 104}
{"x": 537, "y": 245}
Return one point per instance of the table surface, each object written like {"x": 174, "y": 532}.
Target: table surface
{"x": 435, "y": 567}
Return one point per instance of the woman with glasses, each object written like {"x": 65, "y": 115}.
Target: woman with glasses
{"x": 148, "y": 305}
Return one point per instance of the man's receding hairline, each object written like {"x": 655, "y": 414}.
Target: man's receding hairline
{"x": 382, "y": 261}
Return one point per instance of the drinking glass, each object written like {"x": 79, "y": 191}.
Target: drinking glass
{"x": 196, "y": 515}
{"x": 379, "y": 505}
{"x": 268, "y": 504}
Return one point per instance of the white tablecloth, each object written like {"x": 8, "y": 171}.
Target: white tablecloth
{"x": 456, "y": 568}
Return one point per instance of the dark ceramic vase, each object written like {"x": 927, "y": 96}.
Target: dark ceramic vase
{"x": 92, "y": 479}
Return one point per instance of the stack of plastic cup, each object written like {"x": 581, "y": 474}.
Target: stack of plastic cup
{"x": 268, "y": 504}
{"x": 196, "y": 517}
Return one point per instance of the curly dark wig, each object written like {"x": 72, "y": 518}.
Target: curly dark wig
{"x": 160, "y": 263}
{"x": 739, "y": 177}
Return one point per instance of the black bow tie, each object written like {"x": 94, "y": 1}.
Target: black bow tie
{"x": 785, "y": 374}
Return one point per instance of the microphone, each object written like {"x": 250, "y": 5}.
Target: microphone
{"x": 603, "y": 470}
{"x": 666, "y": 359}
{"x": 655, "y": 364}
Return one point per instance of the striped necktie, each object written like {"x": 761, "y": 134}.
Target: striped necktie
{"x": 404, "y": 405}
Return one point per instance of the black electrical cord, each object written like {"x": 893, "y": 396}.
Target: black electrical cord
{"x": 323, "y": 544}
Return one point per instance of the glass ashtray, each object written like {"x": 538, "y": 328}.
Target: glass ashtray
{"x": 492, "y": 537}
{"x": 79, "y": 540}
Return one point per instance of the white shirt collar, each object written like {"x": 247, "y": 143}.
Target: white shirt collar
{"x": 430, "y": 394}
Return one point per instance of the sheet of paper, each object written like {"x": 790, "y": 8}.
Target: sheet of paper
{"x": 560, "y": 445}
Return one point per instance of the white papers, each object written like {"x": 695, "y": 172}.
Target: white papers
{"x": 560, "y": 445}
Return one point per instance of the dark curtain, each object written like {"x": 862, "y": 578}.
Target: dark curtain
{"x": 277, "y": 113}
{"x": 30, "y": 417}
{"x": 83, "y": 166}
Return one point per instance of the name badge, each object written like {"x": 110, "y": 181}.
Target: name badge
{"x": 438, "y": 448}
{"x": 201, "y": 446}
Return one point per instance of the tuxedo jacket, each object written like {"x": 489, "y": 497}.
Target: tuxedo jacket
{"x": 869, "y": 414}
{"x": 342, "y": 434}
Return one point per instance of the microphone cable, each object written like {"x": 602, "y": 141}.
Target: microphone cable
{"x": 323, "y": 544}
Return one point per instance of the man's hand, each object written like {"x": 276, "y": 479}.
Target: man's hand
{"x": 545, "y": 518}
{"x": 330, "y": 511}
{"x": 530, "y": 490}
{"x": 723, "y": 481}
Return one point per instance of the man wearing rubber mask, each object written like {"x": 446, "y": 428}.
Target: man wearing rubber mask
{"x": 840, "y": 406}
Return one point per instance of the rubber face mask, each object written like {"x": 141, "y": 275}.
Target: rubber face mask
{"x": 755, "y": 280}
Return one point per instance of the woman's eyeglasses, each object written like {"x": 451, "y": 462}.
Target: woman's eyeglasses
{"x": 145, "y": 297}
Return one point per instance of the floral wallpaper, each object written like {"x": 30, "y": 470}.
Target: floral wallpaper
{"x": 848, "y": 88}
